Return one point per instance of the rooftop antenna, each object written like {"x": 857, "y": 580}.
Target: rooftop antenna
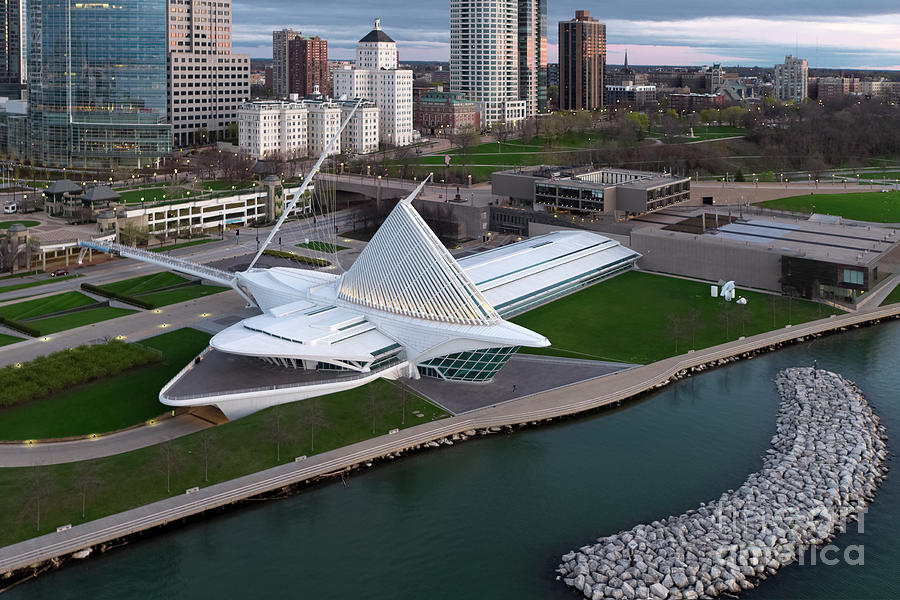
{"x": 309, "y": 177}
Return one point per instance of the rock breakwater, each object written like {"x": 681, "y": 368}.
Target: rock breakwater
{"x": 825, "y": 464}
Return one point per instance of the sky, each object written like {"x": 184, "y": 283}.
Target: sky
{"x": 863, "y": 34}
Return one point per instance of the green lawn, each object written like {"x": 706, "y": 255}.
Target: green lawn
{"x": 44, "y": 306}
{"x": 225, "y": 185}
{"x": 8, "y": 224}
{"x": 893, "y": 297}
{"x": 78, "y": 319}
{"x": 6, "y": 340}
{"x": 22, "y": 286}
{"x": 190, "y": 292}
{"x": 322, "y": 247}
{"x": 713, "y": 132}
{"x": 887, "y": 175}
{"x": 183, "y": 245}
{"x": 245, "y": 446}
{"x": 877, "y": 207}
{"x": 156, "y": 194}
{"x": 108, "y": 405}
{"x": 145, "y": 283}
{"x": 627, "y": 318}
{"x": 149, "y": 288}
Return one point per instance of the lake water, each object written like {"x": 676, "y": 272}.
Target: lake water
{"x": 491, "y": 517}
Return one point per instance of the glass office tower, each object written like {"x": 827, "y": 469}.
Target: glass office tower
{"x": 97, "y": 83}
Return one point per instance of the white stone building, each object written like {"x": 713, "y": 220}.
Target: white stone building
{"x": 792, "y": 79}
{"x": 206, "y": 82}
{"x": 377, "y": 77}
{"x": 298, "y": 128}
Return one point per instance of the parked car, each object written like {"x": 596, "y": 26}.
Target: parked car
{"x": 10, "y": 209}
{"x": 60, "y": 272}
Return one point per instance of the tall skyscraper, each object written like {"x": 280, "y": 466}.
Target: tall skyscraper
{"x": 281, "y": 61}
{"x": 307, "y": 66}
{"x": 582, "y": 62}
{"x": 97, "y": 83}
{"x": 533, "y": 54}
{"x": 207, "y": 83}
{"x": 13, "y": 46}
{"x": 498, "y": 56}
{"x": 376, "y": 76}
{"x": 792, "y": 79}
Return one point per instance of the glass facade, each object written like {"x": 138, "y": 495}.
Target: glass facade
{"x": 475, "y": 366}
{"x": 97, "y": 83}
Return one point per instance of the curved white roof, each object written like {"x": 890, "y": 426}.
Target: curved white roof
{"x": 406, "y": 270}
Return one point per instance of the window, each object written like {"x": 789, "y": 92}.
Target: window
{"x": 853, "y": 277}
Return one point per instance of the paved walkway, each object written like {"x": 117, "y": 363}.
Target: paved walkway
{"x": 134, "y": 327}
{"x": 18, "y": 455}
{"x": 570, "y": 400}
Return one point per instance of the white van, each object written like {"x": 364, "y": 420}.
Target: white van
{"x": 10, "y": 209}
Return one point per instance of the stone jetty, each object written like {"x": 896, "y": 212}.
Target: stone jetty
{"x": 826, "y": 462}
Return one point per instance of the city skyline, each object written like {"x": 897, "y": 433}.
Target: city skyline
{"x": 700, "y": 32}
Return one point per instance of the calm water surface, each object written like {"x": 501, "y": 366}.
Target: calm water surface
{"x": 490, "y": 518}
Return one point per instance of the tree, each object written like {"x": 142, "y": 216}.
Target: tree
{"x": 38, "y": 486}
{"x": 208, "y": 438}
{"x": 168, "y": 460}
{"x": 465, "y": 139}
{"x": 675, "y": 328}
{"x": 132, "y": 234}
{"x": 277, "y": 430}
{"x": 501, "y": 132}
{"x": 201, "y": 136}
{"x": 312, "y": 415}
{"x": 231, "y": 133}
{"x": 693, "y": 319}
{"x": 373, "y": 405}
{"x": 403, "y": 393}
{"x": 86, "y": 478}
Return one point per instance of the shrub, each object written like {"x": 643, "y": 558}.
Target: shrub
{"x": 87, "y": 287}
{"x": 19, "y": 326}
{"x": 48, "y": 375}
{"x": 316, "y": 262}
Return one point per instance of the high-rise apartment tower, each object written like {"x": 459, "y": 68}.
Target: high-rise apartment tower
{"x": 582, "y": 62}
{"x": 498, "y": 57}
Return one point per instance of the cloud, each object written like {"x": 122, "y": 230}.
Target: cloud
{"x": 829, "y": 33}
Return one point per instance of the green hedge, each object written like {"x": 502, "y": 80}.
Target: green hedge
{"x": 20, "y": 327}
{"x": 316, "y": 262}
{"x": 87, "y": 287}
{"x": 48, "y": 375}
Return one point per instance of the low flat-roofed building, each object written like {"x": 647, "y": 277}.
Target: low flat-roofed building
{"x": 808, "y": 258}
{"x": 590, "y": 191}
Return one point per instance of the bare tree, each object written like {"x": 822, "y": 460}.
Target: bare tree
{"x": 208, "y": 439}
{"x": 38, "y": 486}
{"x": 726, "y": 317}
{"x": 277, "y": 429}
{"x": 402, "y": 404}
{"x": 312, "y": 416}
{"x": 465, "y": 139}
{"x": 168, "y": 460}
{"x": 86, "y": 478}
{"x": 675, "y": 328}
{"x": 373, "y": 405}
{"x": 501, "y": 132}
{"x": 693, "y": 319}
